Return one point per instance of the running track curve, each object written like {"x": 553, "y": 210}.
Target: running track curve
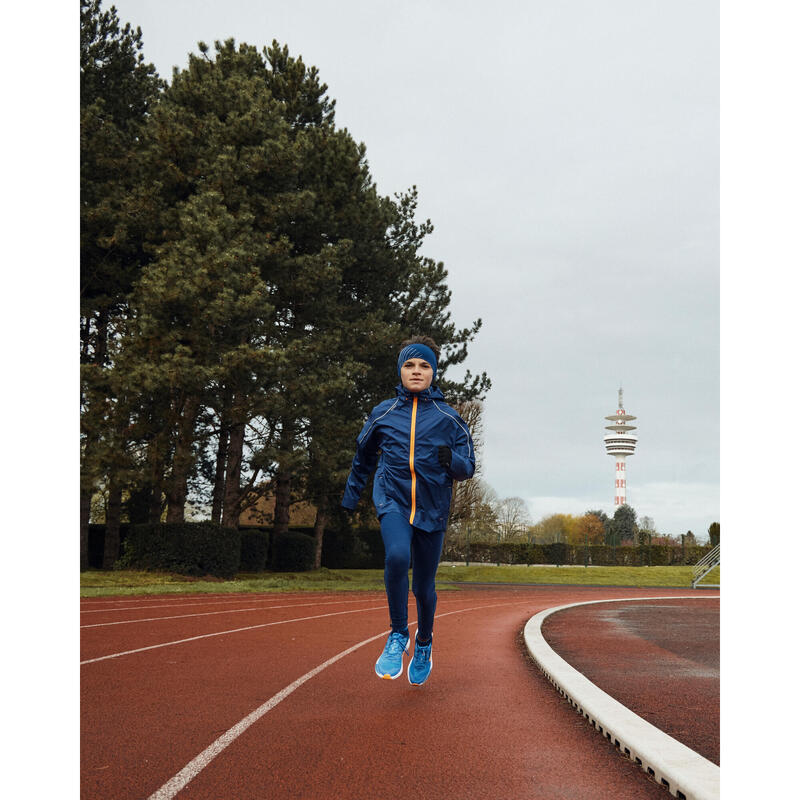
{"x": 274, "y": 696}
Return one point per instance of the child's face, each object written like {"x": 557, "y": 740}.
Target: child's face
{"x": 416, "y": 375}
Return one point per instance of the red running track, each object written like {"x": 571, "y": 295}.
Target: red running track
{"x": 658, "y": 658}
{"x": 199, "y": 697}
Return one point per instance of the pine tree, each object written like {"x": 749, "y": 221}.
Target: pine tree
{"x": 223, "y": 174}
{"x": 624, "y": 524}
{"x": 117, "y": 89}
{"x": 713, "y": 534}
{"x": 269, "y": 288}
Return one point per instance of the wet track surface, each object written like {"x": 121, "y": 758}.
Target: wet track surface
{"x": 658, "y": 658}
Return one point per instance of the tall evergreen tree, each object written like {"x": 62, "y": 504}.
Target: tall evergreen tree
{"x": 269, "y": 288}
{"x": 117, "y": 91}
{"x": 624, "y": 524}
{"x": 223, "y": 173}
{"x": 117, "y": 88}
{"x": 713, "y": 534}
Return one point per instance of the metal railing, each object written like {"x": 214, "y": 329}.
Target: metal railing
{"x": 704, "y": 566}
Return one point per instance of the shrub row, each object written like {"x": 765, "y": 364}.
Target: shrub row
{"x": 255, "y": 549}
{"x": 561, "y": 553}
{"x": 348, "y": 548}
{"x": 203, "y": 548}
{"x": 292, "y": 552}
{"x": 190, "y": 548}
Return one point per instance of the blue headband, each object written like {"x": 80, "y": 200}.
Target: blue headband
{"x": 417, "y": 351}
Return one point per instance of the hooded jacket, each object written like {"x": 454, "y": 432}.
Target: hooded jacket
{"x": 402, "y": 437}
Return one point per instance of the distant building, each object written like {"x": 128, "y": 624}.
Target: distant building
{"x": 620, "y": 444}
{"x": 261, "y": 512}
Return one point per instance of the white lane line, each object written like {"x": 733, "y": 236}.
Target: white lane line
{"x": 669, "y": 761}
{"x": 170, "y": 605}
{"x": 210, "y": 613}
{"x": 223, "y": 633}
{"x": 239, "y": 599}
{"x": 189, "y": 599}
{"x": 200, "y": 762}
{"x": 182, "y": 598}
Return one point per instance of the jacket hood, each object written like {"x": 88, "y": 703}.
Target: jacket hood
{"x": 431, "y": 393}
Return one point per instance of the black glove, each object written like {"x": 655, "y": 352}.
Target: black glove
{"x": 445, "y": 457}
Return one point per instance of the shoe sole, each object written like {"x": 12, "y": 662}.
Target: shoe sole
{"x": 385, "y": 675}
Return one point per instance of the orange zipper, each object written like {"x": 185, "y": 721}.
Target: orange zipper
{"x": 411, "y": 463}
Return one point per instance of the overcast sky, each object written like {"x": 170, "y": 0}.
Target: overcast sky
{"x": 567, "y": 154}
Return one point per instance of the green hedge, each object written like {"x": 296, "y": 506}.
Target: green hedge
{"x": 189, "y": 548}
{"x": 488, "y": 552}
{"x": 255, "y": 549}
{"x": 292, "y": 552}
{"x": 509, "y": 553}
{"x": 203, "y": 548}
{"x": 352, "y": 548}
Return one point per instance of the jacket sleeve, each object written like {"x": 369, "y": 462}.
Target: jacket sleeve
{"x": 462, "y": 464}
{"x": 364, "y": 462}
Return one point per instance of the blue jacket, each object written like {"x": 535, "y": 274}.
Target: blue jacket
{"x": 402, "y": 437}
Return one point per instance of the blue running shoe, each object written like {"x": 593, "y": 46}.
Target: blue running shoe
{"x": 421, "y": 665}
{"x": 390, "y": 664}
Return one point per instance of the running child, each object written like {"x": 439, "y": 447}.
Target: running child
{"x": 419, "y": 445}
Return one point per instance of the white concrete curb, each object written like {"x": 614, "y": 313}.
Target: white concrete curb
{"x": 687, "y": 774}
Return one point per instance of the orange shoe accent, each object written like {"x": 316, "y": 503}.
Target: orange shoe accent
{"x": 411, "y": 462}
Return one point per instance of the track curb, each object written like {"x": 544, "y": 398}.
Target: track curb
{"x": 685, "y": 773}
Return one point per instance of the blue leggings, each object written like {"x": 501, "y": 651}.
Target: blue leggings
{"x": 401, "y": 540}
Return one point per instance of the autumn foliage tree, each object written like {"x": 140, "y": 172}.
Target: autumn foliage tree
{"x": 590, "y": 528}
{"x": 553, "y": 528}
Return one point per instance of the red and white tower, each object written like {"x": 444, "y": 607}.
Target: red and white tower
{"x": 620, "y": 444}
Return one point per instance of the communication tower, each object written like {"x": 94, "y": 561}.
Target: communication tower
{"x": 621, "y": 443}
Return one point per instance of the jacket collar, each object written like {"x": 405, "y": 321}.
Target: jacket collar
{"x": 431, "y": 393}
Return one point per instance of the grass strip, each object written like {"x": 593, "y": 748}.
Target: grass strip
{"x": 97, "y": 583}
{"x": 677, "y": 577}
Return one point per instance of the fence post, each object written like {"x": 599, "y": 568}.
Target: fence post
{"x": 467, "y": 545}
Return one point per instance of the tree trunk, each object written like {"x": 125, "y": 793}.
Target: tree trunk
{"x": 233, "y": 476}
{"x": 283, "y": 481}
{"x": 182, "y": 462}
{"x": 111, "y": 543}
{"x": 86, "y": 492}
{"x": 283, "y": 492}
{"x": 219, "y": 475}
{"x": 156, "y": 505}
{"x": 86, "y": 507}
{"x": 155, "y": 465}
{"x": 319, "y": 532}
